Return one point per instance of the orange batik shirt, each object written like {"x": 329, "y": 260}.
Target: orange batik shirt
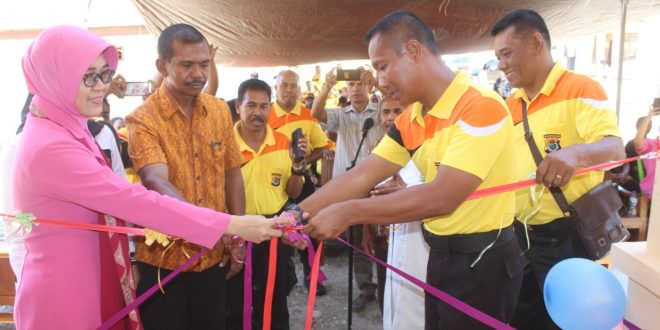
{"x": 197, "y": 153}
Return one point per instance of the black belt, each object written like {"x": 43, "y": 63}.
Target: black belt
{"x": 555, "y": 226}
{"x": 278, "y": 212}
{"x": 467, "y": 243}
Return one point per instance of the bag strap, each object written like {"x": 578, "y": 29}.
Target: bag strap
{"x": 556, "y": 191}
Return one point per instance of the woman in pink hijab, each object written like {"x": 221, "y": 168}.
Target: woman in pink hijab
{"x": 76, "y": 279}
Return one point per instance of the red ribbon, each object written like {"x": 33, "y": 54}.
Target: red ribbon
{"x": 247, "y": 288}
{"x": 311, "y": 299}
{"x": 526, "y": 183}
{"x": 313, "y": 281}
{"x": 270, "y": 283}
{"x": 477, "y": 194}
{"x": 94, "y": 227}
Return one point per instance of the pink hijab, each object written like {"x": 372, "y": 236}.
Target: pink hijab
{"x": 54, "y": 65}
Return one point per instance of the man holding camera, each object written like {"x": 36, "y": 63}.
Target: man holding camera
{"x": 286, "y": 115}
{"x": 573, "y": 126}
{"x": 349, "y": 123}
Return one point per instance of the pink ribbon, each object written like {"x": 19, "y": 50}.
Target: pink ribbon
{"x": 295, "y": 233}
{"x": 447, "y": 298}
{"x": 630, "y": 325}
{"x": 247, "y": 288}
{"x": 139, "y": 300}
{"x": 310, "y": 257}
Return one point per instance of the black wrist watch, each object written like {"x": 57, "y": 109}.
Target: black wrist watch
{"x": 296, "y": 211}
{"x": 298, "y": 172}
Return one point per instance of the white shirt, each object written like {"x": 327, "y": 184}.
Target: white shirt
{"x": 107, "y": 141}
{"x": 409, "y": 252}
{"x": 348, "y": 124}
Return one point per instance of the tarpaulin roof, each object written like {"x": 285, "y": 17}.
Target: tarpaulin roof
{"x": 291, "y": 32}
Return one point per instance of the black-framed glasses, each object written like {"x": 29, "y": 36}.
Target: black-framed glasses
{"x": 91, "y": 79}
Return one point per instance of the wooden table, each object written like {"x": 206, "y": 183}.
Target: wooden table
{"x": 7, "y": 284}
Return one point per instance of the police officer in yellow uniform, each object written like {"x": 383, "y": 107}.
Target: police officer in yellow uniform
{"x": 286, "y": 115}
{"x": 271, "y": 179}
{"x": 572, "y": 125}
{"x": 460, "y": 137}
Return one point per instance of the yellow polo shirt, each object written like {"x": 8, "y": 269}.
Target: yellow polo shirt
{"x": 131, "y": 175}
{"x": 570, "y": 109}
{"x": 300, "y": 117}
{"x": 265, "y": 172}
{"x": 470, "y": 129}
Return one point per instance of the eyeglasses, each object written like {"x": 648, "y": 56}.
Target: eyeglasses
{"x": 91, "y": 79}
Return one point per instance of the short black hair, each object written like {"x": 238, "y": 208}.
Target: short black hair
{"x": 113, "y": 120}
{"x": 255, "y": 85}
{"x": 524, "y": 21}
{"x": 181, "y": 32}
{"x": 401, "y": 26}
{"x": 232, "y": 109}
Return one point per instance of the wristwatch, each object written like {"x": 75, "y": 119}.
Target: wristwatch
{"x": 298, "y": 171}
{"x": 296, "y": 211}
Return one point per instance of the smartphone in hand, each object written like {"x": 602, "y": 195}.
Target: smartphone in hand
{"x": 298, "y": 154}
{"x": 137, "y": 88}
{"x": 348, "y": 75}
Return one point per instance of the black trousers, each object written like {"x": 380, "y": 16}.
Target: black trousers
{"x": 549, "y": 244}
{"x": 192, "y": 300}
{"x": 284, "y": 281}
{"x": 234, "y": 302}
{"x": 308, "y": 190}
{"x": 381, "y": 247}
{"x": 283, "y": 284}
{"x": 491, "y": 286}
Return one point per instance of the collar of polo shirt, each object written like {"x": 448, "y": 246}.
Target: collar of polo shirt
{"x": 443, "y": 107}
{"x": 549, "y": 85}
{"x": 281, "y": 112}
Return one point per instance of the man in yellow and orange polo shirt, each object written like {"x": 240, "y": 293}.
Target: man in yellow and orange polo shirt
{"x": 573, "y": 126}
{"x": 460, "y": 136}
{"x": 287, "y": 114}
{"x": 271, "y": 179}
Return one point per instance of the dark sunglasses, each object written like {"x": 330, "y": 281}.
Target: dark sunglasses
{"x": 91, "y": 79}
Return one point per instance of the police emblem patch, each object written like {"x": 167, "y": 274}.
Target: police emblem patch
{"x": 552, "y": 142}
{"x": 275, "y": 179}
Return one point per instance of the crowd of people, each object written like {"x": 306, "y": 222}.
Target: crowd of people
{"x": 203, "y": 170}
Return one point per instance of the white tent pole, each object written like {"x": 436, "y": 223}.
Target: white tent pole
{"x": 622, "y": 41}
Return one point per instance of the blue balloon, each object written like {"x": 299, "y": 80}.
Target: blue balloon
{"x": 622, "y": 278}
{"x": 581, "y": 294}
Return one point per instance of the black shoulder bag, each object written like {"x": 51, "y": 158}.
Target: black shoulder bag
{"x": 595, "y": 215}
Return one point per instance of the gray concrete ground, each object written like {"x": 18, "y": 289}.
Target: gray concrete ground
{"x": 331, "y": 309}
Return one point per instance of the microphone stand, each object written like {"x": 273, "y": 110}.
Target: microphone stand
{"x": 350, "y": 240}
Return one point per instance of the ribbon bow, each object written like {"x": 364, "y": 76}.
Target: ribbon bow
{"x": 21, "y": 223}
